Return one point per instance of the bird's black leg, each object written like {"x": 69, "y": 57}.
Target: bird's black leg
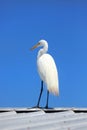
{"x": 47, "y": 99}
{"x": 40, "y": 94}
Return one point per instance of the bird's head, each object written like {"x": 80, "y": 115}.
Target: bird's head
{"x": 40, "y": 43}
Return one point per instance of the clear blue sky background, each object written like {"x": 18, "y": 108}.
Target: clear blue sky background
{"x": 63, "y": 23}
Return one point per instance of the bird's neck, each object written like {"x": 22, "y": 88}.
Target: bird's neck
{"x": 43, "y": 50}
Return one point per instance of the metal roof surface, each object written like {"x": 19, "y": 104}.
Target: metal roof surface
{"x": 43, "y": 119}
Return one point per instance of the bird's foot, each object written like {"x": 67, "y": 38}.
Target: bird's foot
{"x": 37, "y": 106}
{"x": 46, "y": 107}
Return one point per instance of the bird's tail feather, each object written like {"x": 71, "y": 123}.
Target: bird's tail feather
{"x": 53, "y": 90}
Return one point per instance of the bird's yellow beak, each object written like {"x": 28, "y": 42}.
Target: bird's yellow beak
{"x": 35, "y": 46}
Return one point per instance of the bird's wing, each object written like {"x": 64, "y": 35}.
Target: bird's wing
{"x": 48, "y": 72}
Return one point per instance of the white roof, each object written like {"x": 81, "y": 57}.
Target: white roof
{"x": 43, "y": 119}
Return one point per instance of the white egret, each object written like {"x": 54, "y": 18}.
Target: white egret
{"x": 47, "y": 70}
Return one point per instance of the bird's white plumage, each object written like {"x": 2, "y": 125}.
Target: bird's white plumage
{"x": 47, "y": 68}
{"x": 48, "y": 73}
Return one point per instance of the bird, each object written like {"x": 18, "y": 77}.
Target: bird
{"x": 47, "y": 70}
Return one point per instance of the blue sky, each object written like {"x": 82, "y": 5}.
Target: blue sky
{"x": 63, "y": 24}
